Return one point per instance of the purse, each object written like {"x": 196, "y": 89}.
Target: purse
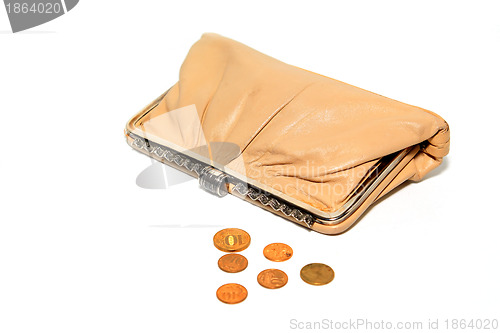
{"x": 309, "y": 148}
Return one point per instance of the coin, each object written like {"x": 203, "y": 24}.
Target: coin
{"x": 272, "y": 278}
{"x": 231, "y": 240}
{"x": 233, "y": 263}
{"x": 278, "y": 252}
{"x": 232, "y": 293}
{"x": 317, "y": 274}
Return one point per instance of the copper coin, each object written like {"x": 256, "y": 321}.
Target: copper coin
{"x": 317, "y": 274}
{"x": 272, "y": 278}
{"x": 233, "y": 263}
{"x": 232, "y": 293}
{"x": 278, "y": 252}
{"x": 232, "y": 240}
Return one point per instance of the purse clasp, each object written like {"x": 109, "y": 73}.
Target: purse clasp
{"x": 213, "y": 181}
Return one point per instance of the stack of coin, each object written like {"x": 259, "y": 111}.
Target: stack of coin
{"x": 235, "y": 240}
{"x": 275, "y": 278}
{"x": 232, "y": 240}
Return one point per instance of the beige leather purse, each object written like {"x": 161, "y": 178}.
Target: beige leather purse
{"x": 309, "y": 148}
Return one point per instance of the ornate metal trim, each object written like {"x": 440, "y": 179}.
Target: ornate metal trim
{"x": 246, "y": 190}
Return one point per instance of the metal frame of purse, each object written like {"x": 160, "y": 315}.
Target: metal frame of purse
{"x": 384, "y": 173}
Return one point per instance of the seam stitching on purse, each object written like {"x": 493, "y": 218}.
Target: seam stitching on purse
{"x": 264, "y": 125}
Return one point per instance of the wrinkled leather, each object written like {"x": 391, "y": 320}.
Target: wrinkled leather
{"x": 303, "y": 134}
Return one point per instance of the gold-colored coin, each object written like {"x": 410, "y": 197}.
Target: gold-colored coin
{"x": 278, "y": 252}
{"x": 232, "y": 240}
{"x": 317, "y": 274}
{"x": 272, "y": 278}
{"x": 232, "y": 293}
{"x": 233, "y": 263}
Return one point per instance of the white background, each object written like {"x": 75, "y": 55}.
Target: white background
{"x": 84, "y": 249}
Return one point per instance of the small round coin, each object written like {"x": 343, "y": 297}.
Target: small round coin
{"x": 278, "y": 252}
{"x": 272, "y": 278}
{"x": 317, "y": 274}
{"x": 233, "y": 263}
{"x": 231, "y": 240}
{"x": 232, "y": 293}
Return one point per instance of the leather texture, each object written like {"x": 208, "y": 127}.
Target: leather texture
{"x": 303, "y": 134}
